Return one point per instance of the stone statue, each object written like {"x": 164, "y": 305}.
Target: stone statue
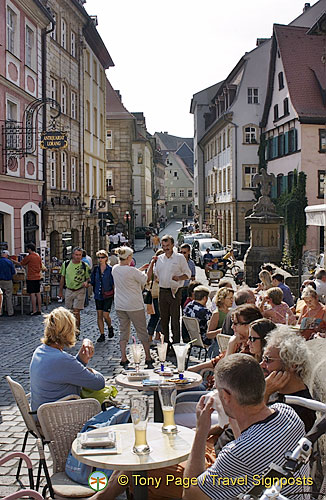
{"x": 264, "y": 206}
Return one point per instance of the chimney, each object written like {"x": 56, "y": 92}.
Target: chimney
{"x": 306, "y": 7}
{"x": 118, "y": 94}
{"x": 165, "y": 132}
{"x": 94, "y": 19}
{"x": 260, "y": 41}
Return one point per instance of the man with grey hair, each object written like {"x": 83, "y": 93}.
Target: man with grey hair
{"x": 284, "y": 365}
{"x": 320, "y": 282}
{"x": 259, "y": 435}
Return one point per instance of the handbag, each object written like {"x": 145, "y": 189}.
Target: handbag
{"x": 108, "y": 294}
{"x": 147, "y": 294}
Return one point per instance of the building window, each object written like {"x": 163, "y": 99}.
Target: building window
{"x": 175, "y": 209}
{"x": 275, "y": 112}
{"x": 189, "y": 193}
{"x": 290, "y": 181}
{"x": 73, "y": 105}
{"x": 220, "y": 181}
{"x": 286, "y": 106}
{"x": 53, "y": 89}
{"x": 293, "y": 146}
{"x": 87, "y": 62}
{"x": 172, "y": 194}
{"x": 29, "y": 47}
{"x": 109, "y": 140}
{"x": 280, "y": 81}
{"x": 95, "y": 121}
{"x": 280, "y": 140}
{"x": 73, "y": 44}
{"x": 224, "y": 180}
{"x": 73, "y": 173}
{"x": 12, "y": 137}
{"x": 53, "y": 33}
{"x": 11, "y": 27}
{"x": 229, "y": 179}
{"x": 184, "y": 209}
{"x": 228, "y": 137}
{"x": 94, "y": 70}
{"x": 321, "y": 183}
{"x": 250, "y": 135}
{"x": 279, "y": 185}
{"x": 12, "y": 111}
{"x": 175, "y": 174}
{"x": 253, "y": 96}
{"x": 249, "y": 172}
{"x": 322, "y": 140}
{"x": 53, "y": 170}
{"x": 88, "y": 116}
{"x": 63, "y": 34}
{"x": 181, "y": 193}
{"x": 109, "y": 180}
{"x": 63, "y": 98}
{"x": 63, "y": 170}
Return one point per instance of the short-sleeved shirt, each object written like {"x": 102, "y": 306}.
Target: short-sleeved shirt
{"x": 287, "y": 295}
{"x": 192, "y": 267}
{"x": 196, "y": 310}
{"x": 208, "y": 257}
{"x": 128, "y": 283}
{"x": 34, "y": 266}
{"x": 7, "y": 269}
{"x": 166, "y": 267}
{"x": 75, "y": 274}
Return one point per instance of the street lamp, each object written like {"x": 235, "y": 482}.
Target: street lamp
{"x": 112, "y": 199}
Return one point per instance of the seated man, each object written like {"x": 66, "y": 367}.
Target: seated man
{"x": 260, "y": 435}
{"x": 284, "y": 364}
{"x": 278, "y": 280}
{"x": 197, "y": 309}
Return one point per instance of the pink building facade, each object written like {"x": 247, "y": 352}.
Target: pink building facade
{"x": 21, "y": 174}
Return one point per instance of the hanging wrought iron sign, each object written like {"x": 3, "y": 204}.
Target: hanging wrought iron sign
{"x": 54, "y": 139}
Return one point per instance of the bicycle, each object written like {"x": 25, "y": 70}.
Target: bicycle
{"x": 294, "y": 460}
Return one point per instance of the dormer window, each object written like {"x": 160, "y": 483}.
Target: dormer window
{"x": 280, "y": 81}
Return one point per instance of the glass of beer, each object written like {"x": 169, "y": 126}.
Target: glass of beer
{"x": 139, "y": 408}
{"x": 167, "y": 393}
{"x": 181, "y": 351}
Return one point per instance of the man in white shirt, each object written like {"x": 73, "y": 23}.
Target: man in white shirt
{"x": 320, "y": 281}
{"x": 171, "y": 270}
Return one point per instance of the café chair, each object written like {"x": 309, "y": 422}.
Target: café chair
{"x": 30, "y": 492}
{"x": 60, "y": 422}
{"x": 33, "y": 428}
{"x": 192, "y": 326}
{"x": 223, "y": 341}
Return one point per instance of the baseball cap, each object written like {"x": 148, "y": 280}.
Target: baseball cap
{"x": 5, "y": 251}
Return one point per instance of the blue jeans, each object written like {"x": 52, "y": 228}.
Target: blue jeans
{"x": 154, "y": 324}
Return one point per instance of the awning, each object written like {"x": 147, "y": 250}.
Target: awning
{"x": 316, "y": 215}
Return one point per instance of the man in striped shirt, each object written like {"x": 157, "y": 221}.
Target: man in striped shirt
{"x": 262, "y": 435}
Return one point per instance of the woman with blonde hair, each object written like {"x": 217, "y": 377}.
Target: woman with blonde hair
{"x": 102, "y": 282}
{"x": 129, "y": 304}
{"x": 223, "y": 300}
{"x": 54, "y": 373}
{"x": 265, "y": 280}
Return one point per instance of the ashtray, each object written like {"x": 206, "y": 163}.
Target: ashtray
{"x": 135, "y": 376}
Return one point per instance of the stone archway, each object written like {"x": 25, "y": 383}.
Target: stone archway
{"x": 54, "y": 244}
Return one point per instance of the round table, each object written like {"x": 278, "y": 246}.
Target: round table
{"x": 165, "y": 450}
{"x": 122, "y": 379}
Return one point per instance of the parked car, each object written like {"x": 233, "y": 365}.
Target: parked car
{"x": 190, "y": 238}
{"x": 200, "y": 246}
{"x": 140, "y": 231}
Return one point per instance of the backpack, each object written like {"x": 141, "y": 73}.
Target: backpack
{"x": 76, "y": 470}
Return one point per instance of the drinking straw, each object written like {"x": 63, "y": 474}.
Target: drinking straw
{"x": 134, "y": 339}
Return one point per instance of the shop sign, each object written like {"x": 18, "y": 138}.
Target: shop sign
{"x": 53, "y": 139}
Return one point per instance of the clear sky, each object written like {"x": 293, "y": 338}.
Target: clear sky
{"x": 166, "y": 51}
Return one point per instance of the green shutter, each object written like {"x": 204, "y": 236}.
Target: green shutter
{"x": 284, "y": 184}
{"x": 286, "y": 143}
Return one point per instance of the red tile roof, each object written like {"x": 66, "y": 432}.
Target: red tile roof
{"x": 302, "y": 60}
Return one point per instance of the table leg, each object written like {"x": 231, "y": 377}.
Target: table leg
{"x": 140, "y": 485}
{"x": 158, "y": 414}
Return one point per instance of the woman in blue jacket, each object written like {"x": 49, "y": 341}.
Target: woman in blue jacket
{"x": 103, "y": 286}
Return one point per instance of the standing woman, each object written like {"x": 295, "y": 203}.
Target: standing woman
{"x": 129, "y": 305}
{"x": 102, "y": 283}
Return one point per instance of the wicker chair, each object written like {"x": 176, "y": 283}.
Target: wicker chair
{"x": 223, "y": 341}
{"x": 61, "y": 422}
{"x": 32, "y": 426}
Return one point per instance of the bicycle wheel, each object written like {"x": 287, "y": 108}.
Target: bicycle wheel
{"x": 234, "y": 270}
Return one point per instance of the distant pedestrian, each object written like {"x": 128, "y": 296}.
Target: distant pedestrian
{"x": 7, "y": 271}
{"x": 155, "y": 242}
{"x": 148, "y": 238}
{"x": 34, "y": 266}
{"x": 103, "y": 285}
{"x": 75, "y": 275}
{"x": 88, "y": 260}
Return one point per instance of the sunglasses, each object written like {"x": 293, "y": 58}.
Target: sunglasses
{"x": 235, "y": 323}
{"x": 268, "y": 360}
{"x": 253, "y": 339}
{"x": 101, "y": 257}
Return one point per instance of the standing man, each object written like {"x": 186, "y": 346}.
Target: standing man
{"x": 171, "y": 270}
{"x": 185, "y": 251}
{"x": 7, "y": 270}
{"x": 34, "y": 266}
{"x": 75, "y": 274}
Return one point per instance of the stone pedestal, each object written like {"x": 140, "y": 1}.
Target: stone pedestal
{"x": 264, "y": 245}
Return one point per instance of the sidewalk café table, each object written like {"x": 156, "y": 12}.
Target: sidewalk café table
{"x": 122, "y": 379}
{"x": 166, "y": 450}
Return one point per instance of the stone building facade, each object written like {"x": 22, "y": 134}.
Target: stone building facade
{"x": 179, "y": 188}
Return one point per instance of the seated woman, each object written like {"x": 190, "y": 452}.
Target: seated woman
{"x": 265, "y": 281}
{"x": 223, "y": 300}
{"x": 54, "y": 373}
{"x": 257, "y": 332}
{"x": 313, "y": 316}
{"x": 279, "y": 311}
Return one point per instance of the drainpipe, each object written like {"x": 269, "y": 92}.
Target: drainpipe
{"x": 203, "y": 192}
{"x": 236, "y": 176}
{"x": 44, "y": 60}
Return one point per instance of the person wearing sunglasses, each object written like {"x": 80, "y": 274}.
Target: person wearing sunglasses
{"x": 257, "y": 333}
{"x": 242, "y": 316}
{"x": 103, "y": 285}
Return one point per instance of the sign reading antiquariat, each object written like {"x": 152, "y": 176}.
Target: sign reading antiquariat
{"x": 53, "y": 139}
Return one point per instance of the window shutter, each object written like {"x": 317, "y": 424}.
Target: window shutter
{"x": 284, "y": 184}
{"x": 286, "y": 143}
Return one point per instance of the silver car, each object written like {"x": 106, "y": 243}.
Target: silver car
{"x": 200, "y": 246}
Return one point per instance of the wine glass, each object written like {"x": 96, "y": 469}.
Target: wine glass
{"x": 161, "y": 351}
{"x": 181, "y": 351}
{"x": 136, "y": 350}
